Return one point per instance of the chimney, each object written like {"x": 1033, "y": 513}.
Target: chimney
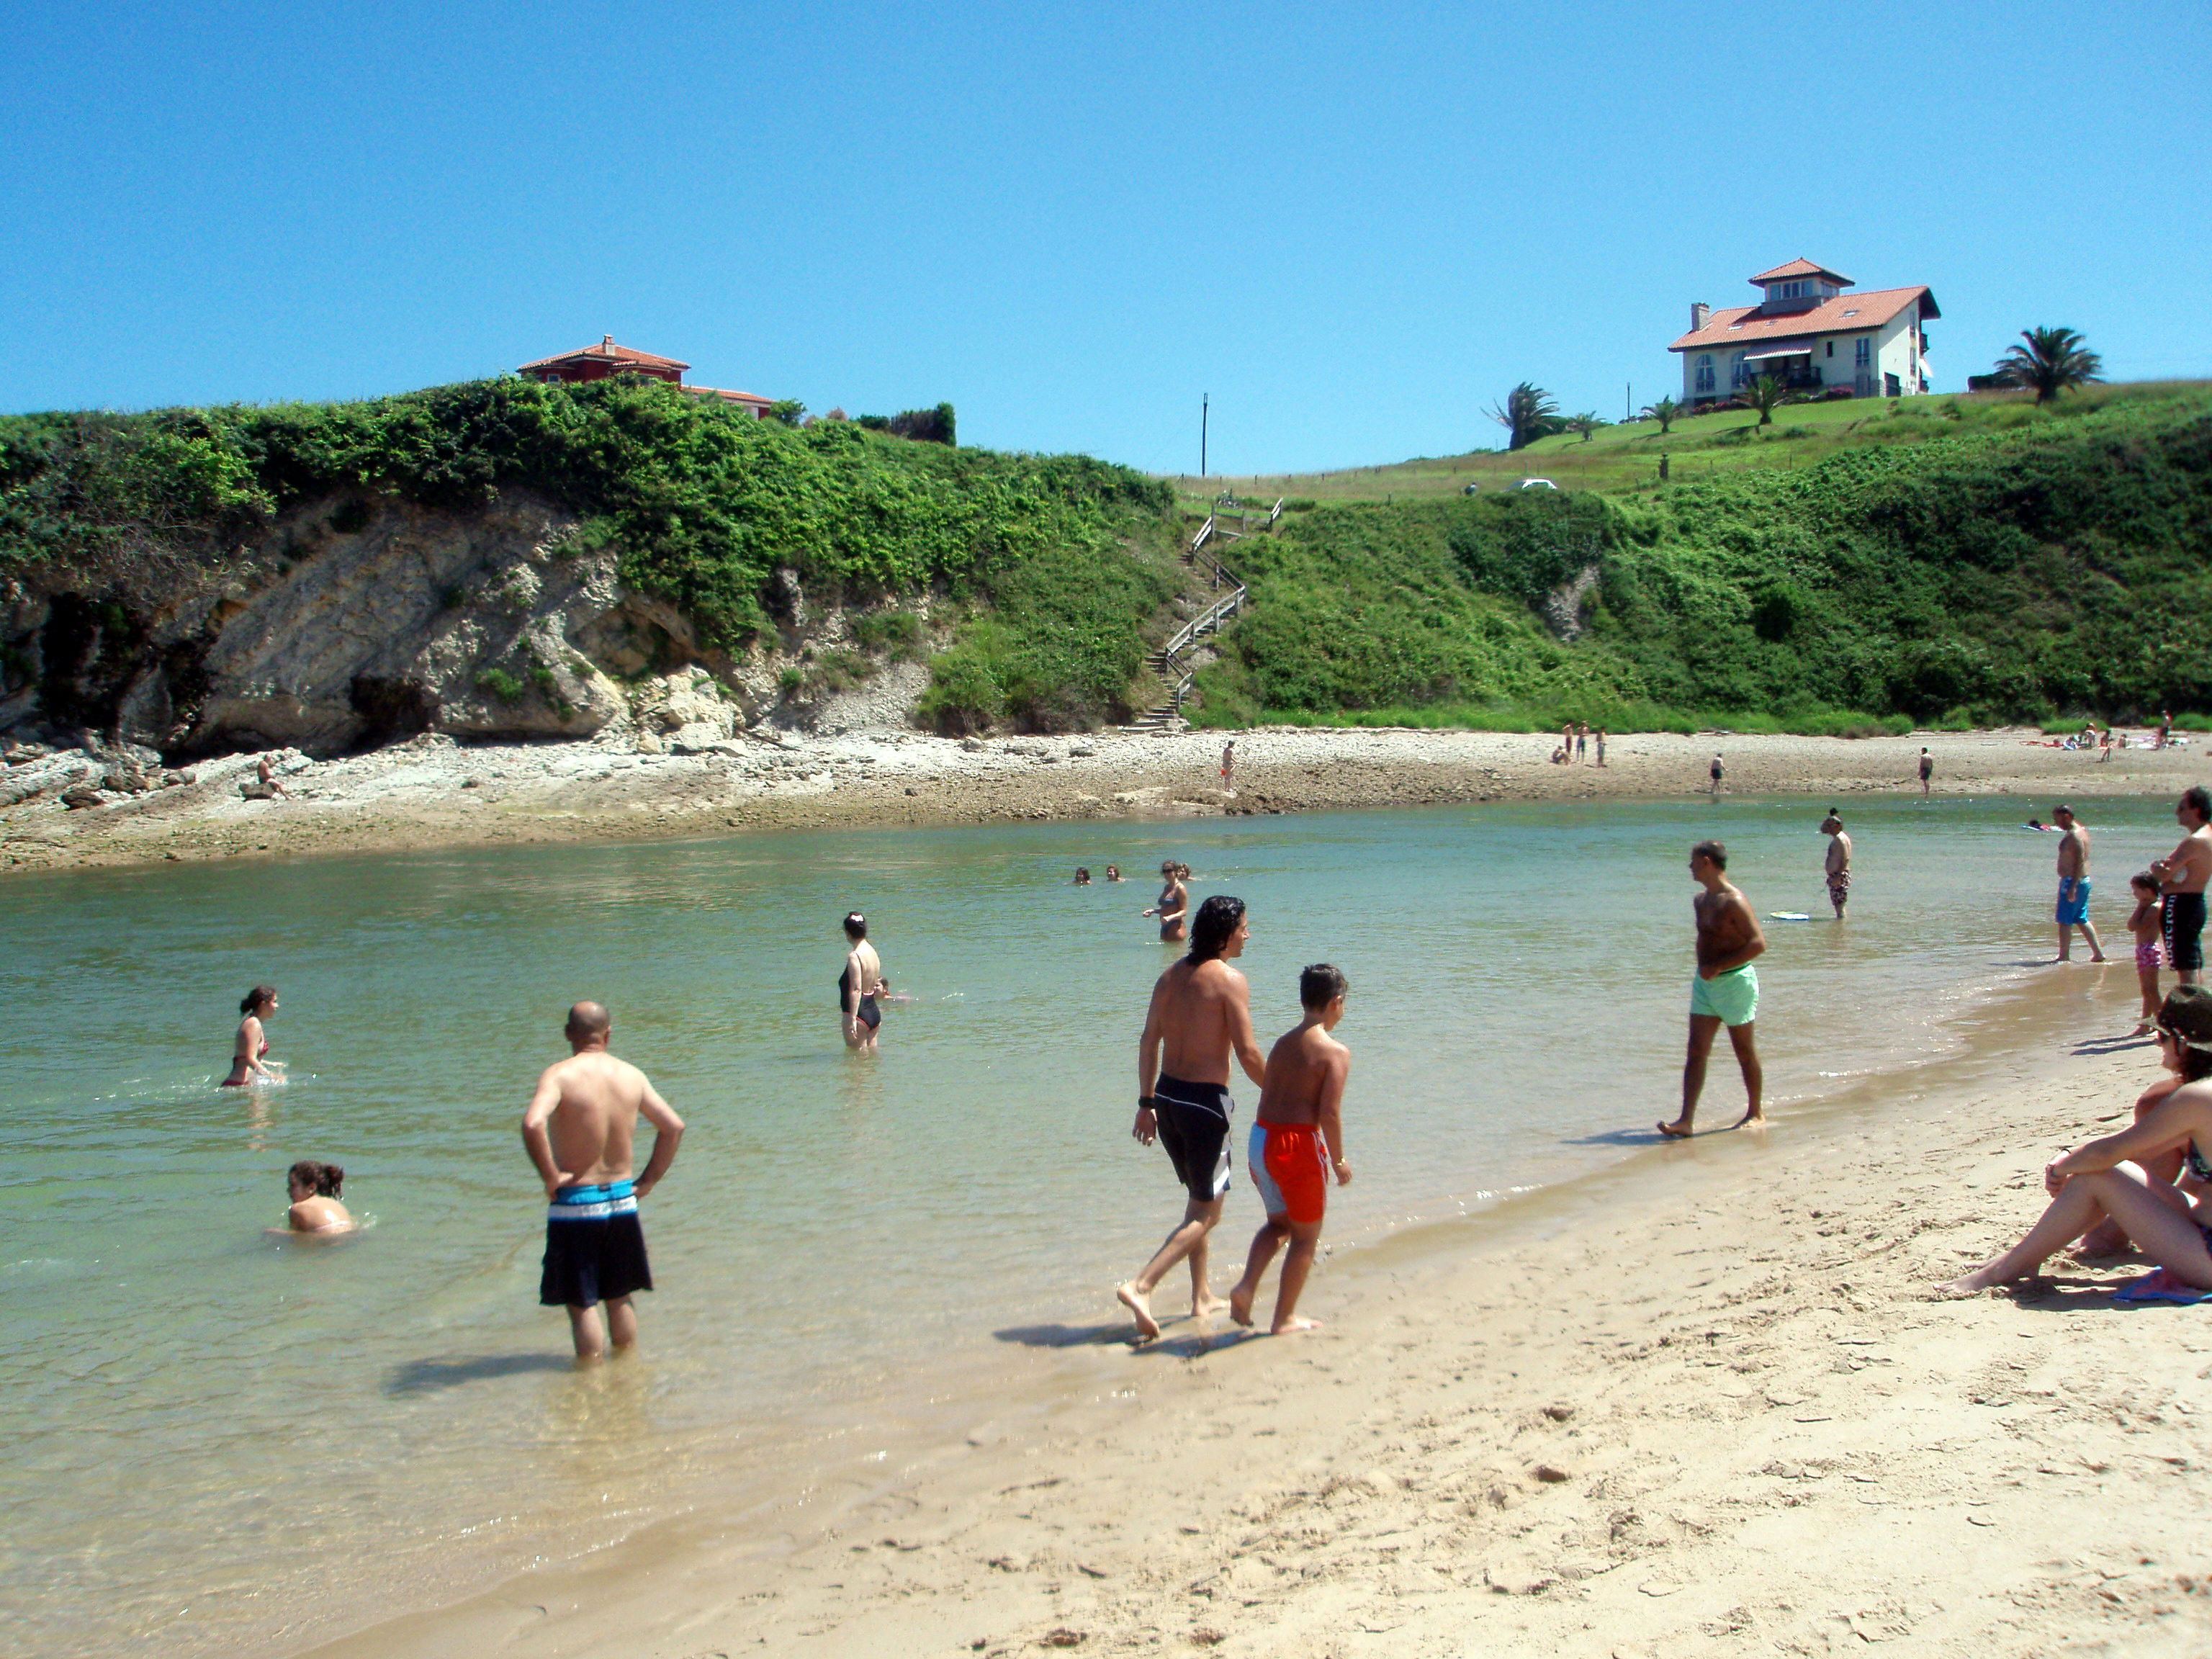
{"x": 1700, "y": 314}
{"x": 607, "y": 343}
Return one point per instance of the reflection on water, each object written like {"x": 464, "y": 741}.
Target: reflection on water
{"x": 202, "y": 1425}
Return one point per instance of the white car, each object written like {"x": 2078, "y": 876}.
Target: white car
{"x": 1536, "y": 483}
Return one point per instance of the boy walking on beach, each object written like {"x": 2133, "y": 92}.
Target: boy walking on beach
{"x": 1725, "y": 990}
{"x": 1201, "y": 1013}
{"x": 1297, "y": 1143}
{"x": 578, "y": 1131}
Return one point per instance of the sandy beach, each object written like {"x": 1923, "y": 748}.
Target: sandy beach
{"x": 1702, "y": 1404}
{"x": 429, "y": 793}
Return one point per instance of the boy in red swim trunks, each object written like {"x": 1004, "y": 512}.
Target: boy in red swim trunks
{"x": 1296, "y": 1142}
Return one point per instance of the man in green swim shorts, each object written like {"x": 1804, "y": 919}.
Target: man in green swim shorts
{"x": 1725, "y": 991}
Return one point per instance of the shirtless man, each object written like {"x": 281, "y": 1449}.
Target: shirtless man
{"x": 1714, "y": 772}
{"x": 1173, "y": 905}
{"x": 1297, "y": 1143}
{"x": 1201, "y": 1012}
{"x": 1726, "y": 989}
{"x": 267, "y": 776}
{"x": 1927, "y": 768}
{"x": 2073, "y": 885}
{"x": 2181, "y": 876}
{"x": 1839, "y": 861}
{"x": 578, "y": 1131}
{"x": 1229, "y": 764}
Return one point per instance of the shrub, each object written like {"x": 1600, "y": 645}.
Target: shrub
{"x": 499, "y": 683}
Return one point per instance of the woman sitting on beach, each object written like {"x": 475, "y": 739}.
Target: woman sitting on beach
{"x": 2114, "y": 1176}
{"x": 315, "y": 1207}
{"x": 249, "y": 1064}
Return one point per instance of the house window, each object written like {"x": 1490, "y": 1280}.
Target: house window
{"x": 1738, "y": 377}
{"x": 1831, "y": 348}
{"x": 1891, "y": 388}
{"x": 1705, "y": 374}
{"x": 1865, "y": 352}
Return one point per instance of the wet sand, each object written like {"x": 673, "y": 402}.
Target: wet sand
{"x": 1702, "y": 1404}
{"x": 430, "y": 794}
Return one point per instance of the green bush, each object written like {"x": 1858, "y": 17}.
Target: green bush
{"x": 500, "y": 684}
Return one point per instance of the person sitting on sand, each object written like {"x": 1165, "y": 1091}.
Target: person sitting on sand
{"x": 250, "y": 1065}
{"x": 1173, "y": 905}
{"x": 267, "y": 775}
{"x": 1082, "y": 875}
{"x": 1297, "y": 1143}
{"x": 2147, "y": 926}
{"x": 2106, "y": 1178}
{"x": 315, "y": 1209}
{"x": 1724, "y": 989}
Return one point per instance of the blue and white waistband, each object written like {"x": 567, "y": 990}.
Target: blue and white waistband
{"x": 593, "y": 1203}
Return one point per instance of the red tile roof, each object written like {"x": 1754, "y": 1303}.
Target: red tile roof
{"x": 747, "y": 398}
{"x": 606, "y": 352}
{"x": 1846, "y": 313}
{"x": 1802, "y": 268}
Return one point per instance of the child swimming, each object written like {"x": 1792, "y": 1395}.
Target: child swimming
{"x": 1298, "y": 1140}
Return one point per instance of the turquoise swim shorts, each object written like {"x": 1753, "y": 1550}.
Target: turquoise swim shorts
{"x": 1732, "y": 998}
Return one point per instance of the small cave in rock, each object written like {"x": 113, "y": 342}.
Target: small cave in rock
{"x": 392, "y": 708}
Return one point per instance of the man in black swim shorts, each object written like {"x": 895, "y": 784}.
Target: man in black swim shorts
{"x": 2182, "y": 876}
{"x": 1201, "y": 1012}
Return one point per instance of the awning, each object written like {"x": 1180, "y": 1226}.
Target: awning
{"x": 1766, "y": 352}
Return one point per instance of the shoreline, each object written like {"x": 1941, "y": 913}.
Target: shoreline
{"x": 1734, "y": 1364}
{"x": 431, "y": 794}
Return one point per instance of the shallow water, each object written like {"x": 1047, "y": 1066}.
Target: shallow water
{"x": 216, "y": 1437}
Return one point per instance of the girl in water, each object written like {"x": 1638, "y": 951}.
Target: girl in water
{"x": 856, "y": 985}
{"x": 249, "y": 1065}
{"x": 2114, "y": 1177}
{"x": 315, "y": 1209}
{"x": 1173, "y": 905}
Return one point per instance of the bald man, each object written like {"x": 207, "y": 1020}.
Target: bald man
{"x": 578, "y": 1131}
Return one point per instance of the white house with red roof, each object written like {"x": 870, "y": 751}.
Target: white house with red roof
{"x": 1812, "y": 336}
{"x": 605, "y": 360}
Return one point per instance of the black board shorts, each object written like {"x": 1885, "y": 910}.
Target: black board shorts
{"x": 1194, "y": 1125}
{"x": 2185, "y": 930}
{"x": 594, "y": 1248}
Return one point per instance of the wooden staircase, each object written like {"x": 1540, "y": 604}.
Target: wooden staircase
{"x": 1172, "y": 661}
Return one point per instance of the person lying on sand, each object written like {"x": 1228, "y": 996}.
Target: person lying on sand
{"x": 314, "y": 1189}
{"x": 2106, "y": 1178}
{"x": 1200, "y": 1014}
{"x": 1297, "y": 1143}
{"x": 1725, "y": 988}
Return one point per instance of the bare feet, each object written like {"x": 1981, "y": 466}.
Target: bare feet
{"x": 1972, "y": 1283}
{"x": 1753, "y": 1119}
{"x": 1209, "y": 1303}
{"x": 1240, "y": 1306}
{"x": 1292, "y": 1327}
{"x": 1677, "y": 1130}
{"x": 1141, "y": 1305}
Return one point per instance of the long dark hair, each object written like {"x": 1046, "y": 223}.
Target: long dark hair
{"x": 1216, "y": 921}
{"x": 2186, "y": 1016}
{"x": 324, "y": 1180}
{"x": 257, "y": 998}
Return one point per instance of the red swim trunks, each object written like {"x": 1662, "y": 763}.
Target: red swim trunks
{"x": 1290, "y": 1166}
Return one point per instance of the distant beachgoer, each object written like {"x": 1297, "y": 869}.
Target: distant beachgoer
{"x": 856, "y": 1003}
{"x": 1600, "y": 746}
{"x": 1725, "y": 990}
{"x": 1582, "y": 740}
{"x": 1558, "y": 756}
{"x": 2105, "y": 745}
{"x": 1200, "y": 1014}
{"x": 2165, "y": 730}
{"x": 2035, "y": 823}
{"x": 1839, "y": 861}
{"x": 578, "y": 1130}
{"x": 314, "y": 1189}
{"x": 1567, "y": 741}
{"x": 883, "y": 992}
{"x": 2106, "y": 1178}
{"x": 1927, "y": 768}
{"x": 2181, "y": 877}
{"x": 1113, "y": 872}
{"x": 1715, "y": 770}
{"x": 1082, "y": 876}
{"x": 2073, "y": 885}
{"x": 267, "y": 775}
{"x": 2147, "y": 927}
{"x": 1229, "y": 764}
{"x": 250, "y": 1063}
{"x": 1297, "y": 1143}
{"x": 1173, "y": 905}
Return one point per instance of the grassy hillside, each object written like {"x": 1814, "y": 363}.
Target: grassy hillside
{"x": 1986, "y": 569}
{"x": 1062, "y": 560}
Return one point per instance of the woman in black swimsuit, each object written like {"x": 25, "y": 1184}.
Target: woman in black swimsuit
{"x": 2172, "y": 1225}
{"x": 856, "y": 985}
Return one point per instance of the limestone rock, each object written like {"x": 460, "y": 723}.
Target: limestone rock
{"x": 78, "y": 796}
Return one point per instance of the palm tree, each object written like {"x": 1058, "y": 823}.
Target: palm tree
{"x": 2052, "y": 359}
{"x": 1764, "y": 393}
{"x": 1586, "y": 422}
{"x": 1666, "y": 411}
{"x": 1527, "y": 414}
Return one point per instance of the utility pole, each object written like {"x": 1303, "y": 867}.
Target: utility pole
{"x": 1205, "y": 402}
{"x": 1628, "y": 404}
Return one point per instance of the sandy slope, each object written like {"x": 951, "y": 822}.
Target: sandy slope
{"x": 428, "y": 793}
{"x": 1698, "y": 1406}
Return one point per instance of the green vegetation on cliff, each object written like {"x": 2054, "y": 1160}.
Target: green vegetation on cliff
{"x": 1058, "y": 558}
{"x": 2017, "y": 571}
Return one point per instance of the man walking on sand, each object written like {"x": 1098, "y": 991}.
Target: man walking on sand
{"x": 1716, "y": 777}
{"x": 1201, "y": 1013}
{"x": 1927, "y": 768}
{"x": 2182, "y": 876}
{"x": 578, "y": 1131}
{"x": 1839, "y": 861}
{"x": 2073, "y": 885}
{"x": 1725, "y": 991}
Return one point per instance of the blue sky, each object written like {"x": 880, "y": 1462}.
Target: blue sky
{"x": 1353, "y": 227}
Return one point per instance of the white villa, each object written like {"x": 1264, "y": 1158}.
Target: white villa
{"x": 1812, "y": 335}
